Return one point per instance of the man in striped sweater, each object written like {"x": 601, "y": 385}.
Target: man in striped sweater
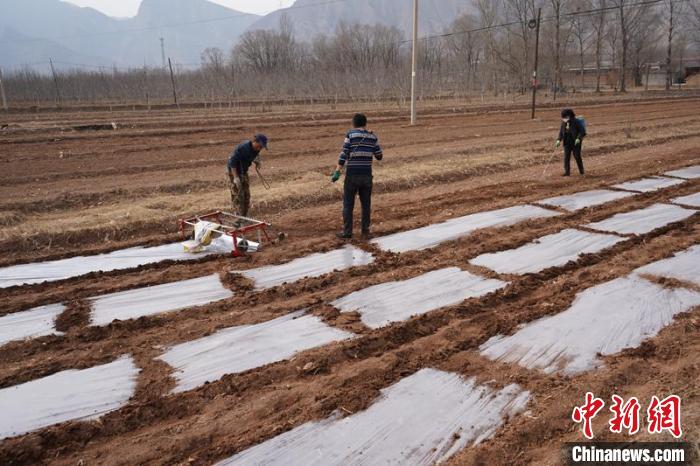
{"x": 360, "y": 148}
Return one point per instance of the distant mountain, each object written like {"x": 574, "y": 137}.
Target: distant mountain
{"x": 84, "y": 35}
{"x": 201, "y": 24}
{"x": 313, "y": 17}
{"x": 32, "y": 31}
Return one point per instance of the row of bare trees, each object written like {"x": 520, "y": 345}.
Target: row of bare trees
{"x": 489, "y": 50}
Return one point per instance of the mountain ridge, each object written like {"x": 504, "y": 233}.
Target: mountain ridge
{"x": 99, "y": 40}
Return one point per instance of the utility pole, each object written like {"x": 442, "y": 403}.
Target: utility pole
{"x": 2, "y": 92}
{"x": 414, "y": 59}
{"x": 172, "y": 80}
{"x": 537, "y": 52}
{"x": 55, "y": 82}
{"x": 162, "y": 50}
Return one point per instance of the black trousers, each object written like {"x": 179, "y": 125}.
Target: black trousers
{"x": 354, "y": 185}
{"x": 576, "y": 150}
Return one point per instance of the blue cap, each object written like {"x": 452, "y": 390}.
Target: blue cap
{"x": 262, "y": 139}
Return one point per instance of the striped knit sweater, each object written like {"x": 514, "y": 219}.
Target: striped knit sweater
{"x": 360, "y": 147}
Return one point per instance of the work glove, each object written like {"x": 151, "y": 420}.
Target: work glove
{"x": 558, "y": 143}
{"x": 336, "y": 176}
{"x": 577, "y": 142}
{"x": 237, "y": 182}
{"x": 258, "y": 163}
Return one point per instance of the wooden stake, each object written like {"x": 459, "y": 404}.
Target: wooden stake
{"x": 172, "y": 80}
{"x": 2, "y": 92}
{"x": 55, "y": 82}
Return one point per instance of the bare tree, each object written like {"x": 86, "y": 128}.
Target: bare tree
{"x": 598, "y": 24}
{"x": 629, "y": 17}
{"x": 465, "y": 47}
{"x": 643, "y": 39}
{"x": 518, "y": 50}
{"x": 488, "y": 17}
{"x": 672, "y": 12}
{"x": 270, "y": 51}
{"x": 213, "y": 58}
{"x": 580, "y": 29}
{"x": 557, "y": 7}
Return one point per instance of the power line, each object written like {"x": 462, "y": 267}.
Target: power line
{"x": 546, "y": 19}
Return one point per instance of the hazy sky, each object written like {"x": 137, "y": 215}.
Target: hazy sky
{"x": 125, "y": 8}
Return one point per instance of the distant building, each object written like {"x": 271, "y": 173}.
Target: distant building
{"x": 655, "y": 72}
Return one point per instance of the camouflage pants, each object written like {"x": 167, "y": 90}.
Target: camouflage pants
{"x": 240, "y": 198}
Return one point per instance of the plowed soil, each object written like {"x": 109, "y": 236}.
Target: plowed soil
{"x": 65, "y": 193}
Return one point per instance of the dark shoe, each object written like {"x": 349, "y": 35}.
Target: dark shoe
{"x": 342, "y": 235}
{"x": 566, "y": 174}
{"x": 366, "y": 235}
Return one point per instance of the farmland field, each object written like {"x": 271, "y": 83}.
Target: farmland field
{"x": 66, "y": 192}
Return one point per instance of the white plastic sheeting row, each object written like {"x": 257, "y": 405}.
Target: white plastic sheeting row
{"x": 689, "y": 173}
{"x": 684, "y": 266}
{"x": 123, "y": 305}
{"x": 647, "y": 185}
{"x": 68, "y": 395}
{"x": 157, "y": 299}
{"x": 432, "y": 235}
{"x": 641, "y": 221}
{"x": 545, "y": 252}
{"x": 36, "y": 322}
{"x": 238, "y": 349}
{"x": 602, "y": 320}
{"x": 581, "y": 200}
{"x": 383, "y": 304}
{"x": 421, "y": 420}
{"x": 692, "y": 200}
{"x": 39, "y": 272}
{"x": 313, "y": 265}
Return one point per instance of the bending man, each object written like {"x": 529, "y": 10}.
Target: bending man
{"x": 245, "y": 154}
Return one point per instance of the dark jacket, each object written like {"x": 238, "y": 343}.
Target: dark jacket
{"x": 570, "y": 131}
{"x": 242, "y": 157}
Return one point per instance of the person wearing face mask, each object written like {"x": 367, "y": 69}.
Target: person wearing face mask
{"x": 571, "y": 133}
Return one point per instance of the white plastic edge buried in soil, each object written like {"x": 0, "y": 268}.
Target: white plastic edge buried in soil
{"x": 36, "y": 322}
{"x": 639, "y": 222}
{"x": 313, "y": 265}
{"x": 577, "y": 201}
{"x": 383, "y": 304}
{"x": 684, "y": 266}
{"x": 689, "y": 172}
{"x": 545, "y": 252}
{"x": 157, "y": 299}
{"x": 39, "y": 272}
{"x": 647, "y": 185}
{"x": 422, "y": 419}
{"x": 432, "y": 235}
{"x": 604, "y": 319}
{"x": 238, "y": 349}
{"x": 65, "y": 396}
{"x": 692, "y": 200}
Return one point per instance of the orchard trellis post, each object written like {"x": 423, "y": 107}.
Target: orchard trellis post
{"x": 2, "y": 92}
{"x": 172, "y": 81}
